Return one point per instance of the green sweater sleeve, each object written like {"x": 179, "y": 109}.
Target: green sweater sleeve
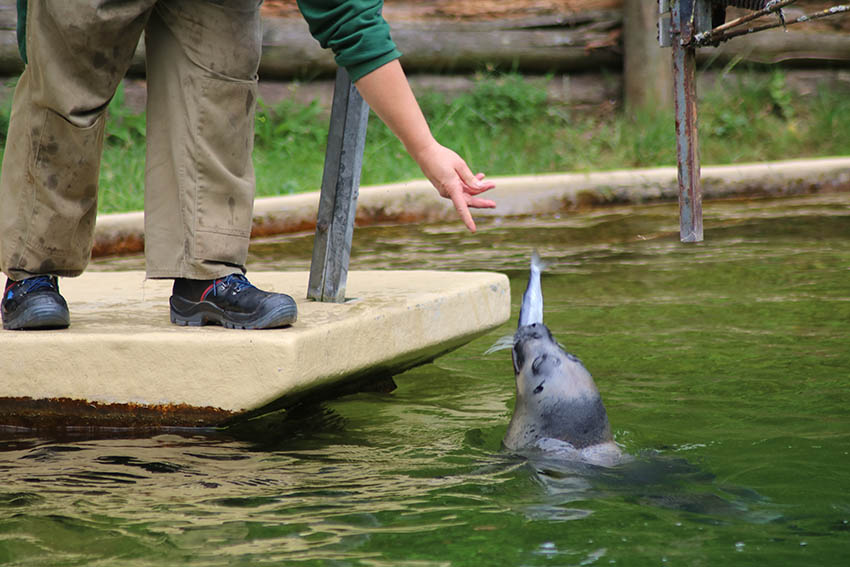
{"x": 21, "y": 29}
{"x": 354, "y": 29}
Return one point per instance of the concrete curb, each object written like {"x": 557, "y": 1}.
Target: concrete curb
{"x": 416, "y": 201}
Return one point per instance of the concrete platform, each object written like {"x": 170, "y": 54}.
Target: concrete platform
{"x": 122, "y": 363}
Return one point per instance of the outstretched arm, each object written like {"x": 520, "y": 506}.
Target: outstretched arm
{"x": 388, "y": 93}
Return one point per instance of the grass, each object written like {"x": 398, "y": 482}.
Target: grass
{"x": 507, "y": 125}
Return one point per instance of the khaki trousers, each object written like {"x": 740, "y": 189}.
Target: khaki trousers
{"x": 202, "y": 58}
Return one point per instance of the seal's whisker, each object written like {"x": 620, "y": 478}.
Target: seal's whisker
{"x": 501, "y": 344}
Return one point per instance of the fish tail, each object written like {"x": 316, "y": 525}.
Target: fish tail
{"x": 537, "y": 262}
{"x": 531, "y": 310}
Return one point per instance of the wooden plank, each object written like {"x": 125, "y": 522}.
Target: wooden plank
{"x": 289, "y": 50}
{"x": 8, "y": 14}
{"x": 338, "y": 197}
{"x": 583, "y": 42}
{"x": 647, "y": 76}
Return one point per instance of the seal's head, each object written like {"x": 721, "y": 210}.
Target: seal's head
{"x": 556, "y": 397}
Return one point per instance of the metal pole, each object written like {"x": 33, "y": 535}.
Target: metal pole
{"x": 682, "y": 25}
{"x": 340, "y": 187}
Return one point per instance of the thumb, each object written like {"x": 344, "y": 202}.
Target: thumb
{"x": 469, "y": 179}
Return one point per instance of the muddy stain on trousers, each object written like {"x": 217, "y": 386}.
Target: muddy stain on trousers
{"x": 202, "y": 58}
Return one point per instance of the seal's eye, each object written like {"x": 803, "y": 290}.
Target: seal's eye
{"x": 545, "y": 364}
{"x": 535, "y": 366}
{"x": 539, "y": 388}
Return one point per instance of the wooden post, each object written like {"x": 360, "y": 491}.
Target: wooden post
{"x": 647, "y": 75}
{"x": 683, "y": 22}
{"x": 340, "y": 187}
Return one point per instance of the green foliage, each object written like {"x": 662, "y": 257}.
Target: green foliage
{"x": 494, "y": 126}
{"x": 6, "y": 110}
{"x": 121, "y": 183}
{"x": 726, "y": 123}
{"x": 121, "y": 187}
{"x": 501, "y": 102}
{"x": 288, "y": 124}
{"x": 287, "y": 138}
{"x": 756, "y": 117}
{"x": 124, "y": 127}
{"x": 781, "y": 95}
{"x": 829, "y": 122}
{"x": 507, "y": 125}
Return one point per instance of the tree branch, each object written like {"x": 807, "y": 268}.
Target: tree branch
{"x": 712, "y": 39}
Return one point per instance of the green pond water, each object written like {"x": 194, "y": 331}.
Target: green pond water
{"x": 724, "y": 366}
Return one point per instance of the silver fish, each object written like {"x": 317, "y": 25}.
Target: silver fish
{"x": 531, "y": 310}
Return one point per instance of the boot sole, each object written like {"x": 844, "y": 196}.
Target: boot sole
{"x": 41, "y": 313}
{"x": 197, "y": 314}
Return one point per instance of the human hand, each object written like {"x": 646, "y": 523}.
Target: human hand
{"x": 388, "y": 93}
{"x": 453, "y": 180}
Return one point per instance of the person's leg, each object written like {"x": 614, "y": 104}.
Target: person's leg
{"x": 203, "y": 57}
{"x": 77, "y": 54}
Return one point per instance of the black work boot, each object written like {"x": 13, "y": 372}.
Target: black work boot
{"x": 232, "y": 302}
{"x": 34, "y": 303}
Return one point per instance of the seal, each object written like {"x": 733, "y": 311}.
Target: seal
{"x": 558, "y": 407}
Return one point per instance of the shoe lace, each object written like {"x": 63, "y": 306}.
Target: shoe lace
{"x": 237, "y": 282}
{"x": 33, "y": 283}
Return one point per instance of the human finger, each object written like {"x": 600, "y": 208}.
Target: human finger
{"x": 477, "y": 189}
{"x": 480, "y": 203}
{"x": 479, "y": 186}
{"x": 472, "y": 182}
{"x": 459, "y": 201}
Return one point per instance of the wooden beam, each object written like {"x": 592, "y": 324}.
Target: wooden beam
{"x": 583, "y": 42}
{"x": 647, "y": 76}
